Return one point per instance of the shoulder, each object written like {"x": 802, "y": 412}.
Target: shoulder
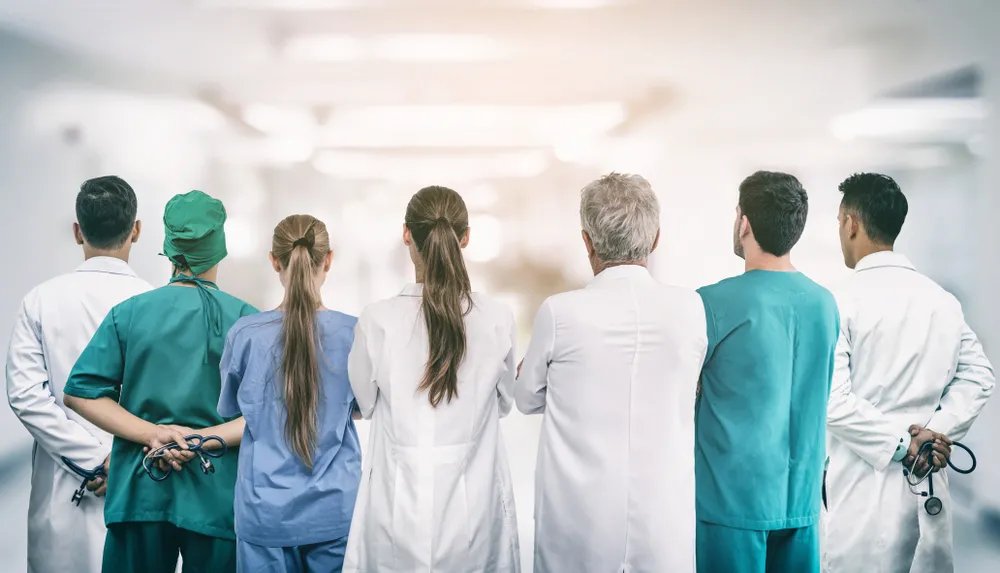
{"x": 566, "y": 301}
{"x": 490, "y": 306}
{"x": 723, "y": 287}
{"x": 235, "y": 305}
{"x": 334, "y": 322}
{"x": 245, "y": 325}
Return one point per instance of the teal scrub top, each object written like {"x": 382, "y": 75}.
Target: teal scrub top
{"x": 760, "y": 419}
{"x": 158, "y": 355}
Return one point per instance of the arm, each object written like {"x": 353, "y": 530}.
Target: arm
{"x": 856, "y": 422}
{"x": 505, "y": 386}
{"x": 231, "y": 432}
{"x": 533, "y": 374}
{"x": 231, "y": 372}
{"x": 969, "y": 389}
{"x": 361, "y": 371}
{"x": 30, "y": 397}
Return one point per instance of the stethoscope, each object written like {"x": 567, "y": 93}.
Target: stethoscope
{"x": 87, "y": 475}
{"x": 195, "y": 445}
{"x": 933, "y": 504}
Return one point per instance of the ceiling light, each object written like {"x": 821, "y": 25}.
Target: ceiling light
{"x": 469, "y": 126}
{"x": 430, "y": 169}
{"x": 912, "y": 120}
{"x": 401, "y": 48}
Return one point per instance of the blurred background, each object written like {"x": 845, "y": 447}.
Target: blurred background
{"x": 344, "y": 108}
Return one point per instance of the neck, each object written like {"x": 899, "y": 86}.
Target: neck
{"x": 600, "y": 266}
{"x": 120, "y": 254}
{"x": 211, "y": 275}
{"x": 870, "y": 249}
{"x": 418, "y": 273}
{"x": 761, "y": 261}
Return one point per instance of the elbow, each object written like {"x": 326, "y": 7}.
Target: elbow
{"x": 73, "y": 403}
{"x": 530, "y": 406}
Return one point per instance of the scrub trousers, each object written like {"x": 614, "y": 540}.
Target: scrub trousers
{"x": 730, "y": 550}
{"x": 327, "y": 557}
{"x": 153, "y": 547}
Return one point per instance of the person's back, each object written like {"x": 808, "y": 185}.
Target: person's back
{"x": 910, "y": 372}
{"x": 760, "y": 424}
{"x": 619, "y": 401}
{"x": 614, "y": 369}
{"x": 285, "y": 372}
{"x": 56, "y": 321}
{"x": 150, "y": 375}
{"x": 433, "y": 368}
{"x": 769, "y": 366}
{"x": 170, "y": 376}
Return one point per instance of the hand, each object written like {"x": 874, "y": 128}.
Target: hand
{"x": 519, "y": 364}
{"x": 939, "y": 455}
{"x": 163, "y": 435}
{"x": 99, "y": 486}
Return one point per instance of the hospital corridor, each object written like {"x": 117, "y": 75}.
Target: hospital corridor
{"x": 344, "y": 109}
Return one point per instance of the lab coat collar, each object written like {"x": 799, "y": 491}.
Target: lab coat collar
{"x": 109, "y": 265}
{"x": 413, "y": 289}
{"x": 883, "y": 259}
{"x": 622, "y": 272}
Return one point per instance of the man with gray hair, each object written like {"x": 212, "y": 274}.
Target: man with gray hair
{"x": 614, "y": 368}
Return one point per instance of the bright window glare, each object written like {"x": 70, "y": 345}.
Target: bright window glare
{"x": 485, "y": 240}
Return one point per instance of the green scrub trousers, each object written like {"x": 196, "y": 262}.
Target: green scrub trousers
{"x": 152, "y": 547}
{"x": 730, "y": 550}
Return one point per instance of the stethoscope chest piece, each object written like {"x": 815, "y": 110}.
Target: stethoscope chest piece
{"x": 933, "y": 505}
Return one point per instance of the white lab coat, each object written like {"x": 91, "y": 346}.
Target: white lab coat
{"x": 615, "y": 368}
{"x": 56, "y": 321}
{"x": 436, "y": 494}
{"x": 905, "y": 356}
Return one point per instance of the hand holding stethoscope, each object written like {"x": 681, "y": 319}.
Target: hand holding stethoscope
{"x": 932, "y": 454}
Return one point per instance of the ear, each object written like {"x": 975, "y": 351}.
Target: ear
{"x": 853, "y": 227}
{"x": 328, "y": 262}
{"x": 274, "y": 262}
{"x": 745, "y": 229}
{"x": 464, "y": 240}
{"x": 656, "y": 241}
{"x": 407, "y": 237}
{"x": 136, "y": 231}
{"x": 77, "y": 233}
{"x": 588, "y": 243}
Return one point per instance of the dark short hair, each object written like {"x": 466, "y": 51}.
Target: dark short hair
{"x": 776, "y": 206}
{"x": 105, "y": 209}
{"x": 878, "y": 202}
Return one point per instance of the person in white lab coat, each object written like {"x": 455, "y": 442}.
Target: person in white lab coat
{"x": 54, "y": 325}
{"x": 905, "y": 357}
{"x": 433, "y": 368}
{"x": 614, "y": 368}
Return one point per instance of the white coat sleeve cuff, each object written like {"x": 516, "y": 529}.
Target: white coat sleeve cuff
{"x": 902, "y": 448}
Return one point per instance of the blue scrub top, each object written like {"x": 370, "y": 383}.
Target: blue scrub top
{"x": 279, "y": 501}
{"x": 760, "y": 420}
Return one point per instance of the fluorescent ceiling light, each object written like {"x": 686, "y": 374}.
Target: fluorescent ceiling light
{"x": 912, "y": 120}
{"x": 400, "y": 47}
{"x": 468, "y": 126}
{"x": 430, "y": 168}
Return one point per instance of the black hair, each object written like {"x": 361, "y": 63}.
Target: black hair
{"x": 105, "y": 210}
{"x": 776, "y": 206}
{"x": 877, "y": 201}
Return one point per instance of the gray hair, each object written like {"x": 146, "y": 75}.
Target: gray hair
{"x": 621, "y": 214}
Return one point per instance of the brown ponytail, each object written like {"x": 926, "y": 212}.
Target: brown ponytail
{"x": 437, "y": 219}
{"x": 300, "y": 246}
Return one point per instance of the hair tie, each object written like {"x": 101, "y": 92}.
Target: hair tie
{"x": 440, "y": 220}
{"x": 308, "y": 240}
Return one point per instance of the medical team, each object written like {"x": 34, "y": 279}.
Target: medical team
{"x": 761, "y": 424}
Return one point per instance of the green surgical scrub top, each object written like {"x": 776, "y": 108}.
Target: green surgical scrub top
{"x": 760, "y": 419}
{"x": 158, "y": 356}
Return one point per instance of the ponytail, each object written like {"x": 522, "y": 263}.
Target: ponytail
{"x": 299, "y": 254}
{"x": 445, "y": 301}
{"x": 437, "y": 218}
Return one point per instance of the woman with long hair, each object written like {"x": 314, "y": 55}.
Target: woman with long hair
{"x": 433, "y": 368}
{"x": 285, "y": 372}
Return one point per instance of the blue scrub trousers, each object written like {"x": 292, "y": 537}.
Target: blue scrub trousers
{"x": 729, "y": 550}
{"x": 325, "y": 557}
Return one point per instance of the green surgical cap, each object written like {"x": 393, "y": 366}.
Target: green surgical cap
{"x": 195, "y": 238}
